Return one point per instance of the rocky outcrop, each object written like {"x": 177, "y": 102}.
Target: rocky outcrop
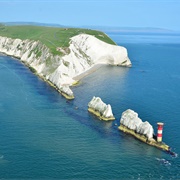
{"x": 83, "y": 53}
{"x": 130, "y": 123}
{"x": 131, "y": 120}
{"x": 100, "y": 109}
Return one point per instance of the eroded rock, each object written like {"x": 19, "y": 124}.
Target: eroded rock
{"x": 131, "y": 120}
{"x": 100, "y": 109}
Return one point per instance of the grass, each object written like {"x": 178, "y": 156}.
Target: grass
{"x": 52, "y": 37}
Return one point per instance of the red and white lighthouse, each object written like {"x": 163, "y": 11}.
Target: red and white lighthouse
{"x": 159, "y": 131}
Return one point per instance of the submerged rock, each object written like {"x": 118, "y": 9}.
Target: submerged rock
{"x": 100, "y": 109}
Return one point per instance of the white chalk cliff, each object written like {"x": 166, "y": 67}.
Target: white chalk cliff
{"x": 84, "y": 52}
{"x": 131, "y": 120}
{"x": 98, "y": 105}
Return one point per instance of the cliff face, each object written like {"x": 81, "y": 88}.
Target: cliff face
{"x": 83, "y": 52}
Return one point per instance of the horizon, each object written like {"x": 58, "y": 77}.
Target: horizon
{"x": 149, "y": 14}
{"x": 113, "y": 28}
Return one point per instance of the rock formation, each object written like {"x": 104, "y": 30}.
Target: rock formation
{"x": 130, "y": 123}
{"x": 83, "y": 53}
{"x": 131, "y": 120}
{"x": 100, "y": 109}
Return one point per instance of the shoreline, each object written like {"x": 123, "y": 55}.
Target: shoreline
{"x": 32, "y": 70}
{"x": 89, "y": 71}
{"x": 76, "y": 78}
{"x": 67, "y": 73}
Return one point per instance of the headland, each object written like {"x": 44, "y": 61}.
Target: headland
{"x": 61, "y": 56}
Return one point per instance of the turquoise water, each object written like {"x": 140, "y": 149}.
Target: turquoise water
{"x": 45, "y": 136}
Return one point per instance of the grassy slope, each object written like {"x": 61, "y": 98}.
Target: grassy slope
{"x": 52, "y": 37}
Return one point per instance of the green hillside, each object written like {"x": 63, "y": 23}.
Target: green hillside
{"x": 52, "y": 37}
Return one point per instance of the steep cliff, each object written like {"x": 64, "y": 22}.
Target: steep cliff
{"x": 83, "y": 53}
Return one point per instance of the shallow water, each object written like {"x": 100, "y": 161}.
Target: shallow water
{"x": 45, "y": 136}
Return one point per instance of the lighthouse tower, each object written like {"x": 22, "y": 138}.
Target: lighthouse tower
{"x": 159, "y": 131}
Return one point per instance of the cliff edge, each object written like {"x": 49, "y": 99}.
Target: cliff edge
{"x": 59, "y": 70}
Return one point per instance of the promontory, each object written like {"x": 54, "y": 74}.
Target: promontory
{"x": 60, "y": 55}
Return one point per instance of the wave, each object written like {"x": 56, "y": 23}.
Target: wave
{"x": 163, "y": 161}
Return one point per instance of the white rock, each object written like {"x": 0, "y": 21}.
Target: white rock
{"x": 146, "y": 129}
{"x": 131, "y": 120}
{"x": 108, "y": 112}
{"x": 98, "y": 105}
{"x": 99, "y": 51}
{"x": 66, "y": 90}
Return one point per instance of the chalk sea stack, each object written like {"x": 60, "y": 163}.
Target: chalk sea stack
{"x": 130, "y": 123}
{"x": 100, "y": 109}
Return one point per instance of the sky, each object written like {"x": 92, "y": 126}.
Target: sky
{"x": 113, "y": 13}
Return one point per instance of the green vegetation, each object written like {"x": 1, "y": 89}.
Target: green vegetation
{"x": 52, "y": 37}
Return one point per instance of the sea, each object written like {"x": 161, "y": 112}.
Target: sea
{"x": 45, "y": 136}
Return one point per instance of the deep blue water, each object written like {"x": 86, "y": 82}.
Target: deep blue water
{"x": 45, "y": 136}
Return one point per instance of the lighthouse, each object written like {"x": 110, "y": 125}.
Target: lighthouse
{"x": 159, "y": 131}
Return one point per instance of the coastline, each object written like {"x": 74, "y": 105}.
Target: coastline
{"x": 39, "y": 76}
{"x": 86, "y": 55}
{"x": 89, "y": 71}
